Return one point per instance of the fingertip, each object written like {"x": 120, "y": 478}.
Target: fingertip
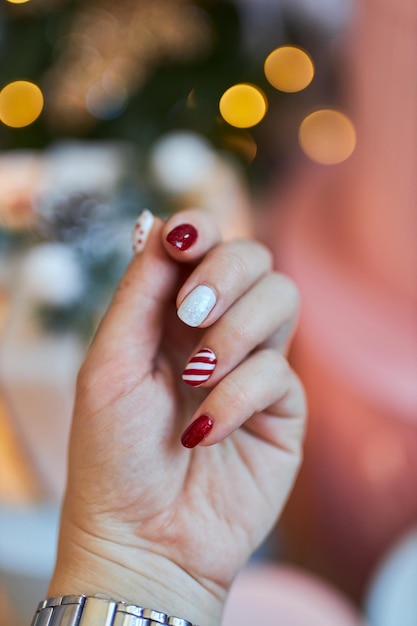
{"x": 182, "y": 236}
{"x": 197, "y": 431}
{"x": 143, "y": 297}
{"x": 141, "y": 231}
{"x": 189, "y": 235}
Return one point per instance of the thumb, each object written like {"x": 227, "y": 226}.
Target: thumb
{"x": 132, "y": 327}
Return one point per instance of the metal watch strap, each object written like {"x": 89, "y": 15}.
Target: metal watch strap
{"x": 99, "y": 611}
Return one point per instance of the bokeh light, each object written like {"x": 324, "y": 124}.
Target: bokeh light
{"x": 107, "y": 99}
{"x": 17, "y": 1}
{"x": 243, "y": 105}
{"x": 289, "y": 68}
{"x": 21, "y": 103}
{"x": 327, "y": 136}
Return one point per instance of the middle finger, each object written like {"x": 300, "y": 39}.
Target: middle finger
{"x": 223, "y": 276}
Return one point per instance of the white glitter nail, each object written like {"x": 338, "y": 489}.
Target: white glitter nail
{"x": 197, "y": 305}
{"x": 141, "y": 230}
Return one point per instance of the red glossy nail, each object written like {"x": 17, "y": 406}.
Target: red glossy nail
{"x": 197, "y": 431}
{"x": 183, "y": 236}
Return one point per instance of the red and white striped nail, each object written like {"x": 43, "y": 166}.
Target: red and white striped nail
{"x": 200, "y": 367}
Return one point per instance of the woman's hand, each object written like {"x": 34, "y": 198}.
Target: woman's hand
{"x": 146, "y": 518}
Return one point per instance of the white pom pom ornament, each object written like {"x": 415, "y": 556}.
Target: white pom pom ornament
{"x": 51, "y": 274}
{"x": 182, "y": 161}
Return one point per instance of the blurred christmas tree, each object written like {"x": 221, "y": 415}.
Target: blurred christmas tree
{"x": 124, "y": 73}
{"x": 138, "y": 68}
{"x": 130, "y": 69}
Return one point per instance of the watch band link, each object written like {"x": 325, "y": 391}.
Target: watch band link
{"x": 99, "y": 611}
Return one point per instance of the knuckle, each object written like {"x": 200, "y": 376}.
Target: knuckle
{"x": 264, "y": 253}
{"x": 284, "y": 283}
{"x": 239, "y": 255}
{"x": 276, "y": 365}
{"x": 256, "y": 247}
{"x": 267, "y": 254}
{"x": 294, "y": 293}
{"x": 236, "y": 267}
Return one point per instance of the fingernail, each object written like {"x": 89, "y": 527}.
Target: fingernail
{"x": 197, "y": 431}
{"x": 182, "y": 237}
{"x": 199, "y": 368}
{"x": 197, "y": 305}
{"x": 141, "y": 230}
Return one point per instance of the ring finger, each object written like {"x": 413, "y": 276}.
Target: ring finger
{"x": 265, "y": 315}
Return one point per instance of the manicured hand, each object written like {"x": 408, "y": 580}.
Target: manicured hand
{"x": 188, "y": 423}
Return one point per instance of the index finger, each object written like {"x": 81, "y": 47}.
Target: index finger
{"x": 189, "y": 235}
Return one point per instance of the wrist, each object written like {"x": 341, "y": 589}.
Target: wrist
{"x": 99, "y": 610}
{"x": 90, "y": 566}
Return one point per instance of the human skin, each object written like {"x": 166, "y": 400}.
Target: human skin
{"x": 144, "y": 518}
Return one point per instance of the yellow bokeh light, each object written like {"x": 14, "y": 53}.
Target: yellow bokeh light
{"x": 289, "y": 68}
{"x": 21, "y": 103}
{"x": 327, "y": 136}
{"x": 243, "y": 105}
{"x": 17, "y": 1}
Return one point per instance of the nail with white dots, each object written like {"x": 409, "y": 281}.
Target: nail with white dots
{"x": 141, "y": 230}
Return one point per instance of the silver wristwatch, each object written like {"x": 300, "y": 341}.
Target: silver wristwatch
{"x": 99, "y": 610}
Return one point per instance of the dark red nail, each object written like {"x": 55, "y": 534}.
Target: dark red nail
{"x": 197, "y": 431}
{"x": 183, "y": 236}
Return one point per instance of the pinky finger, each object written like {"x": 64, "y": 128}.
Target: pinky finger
{"x": 254, "y": 392}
